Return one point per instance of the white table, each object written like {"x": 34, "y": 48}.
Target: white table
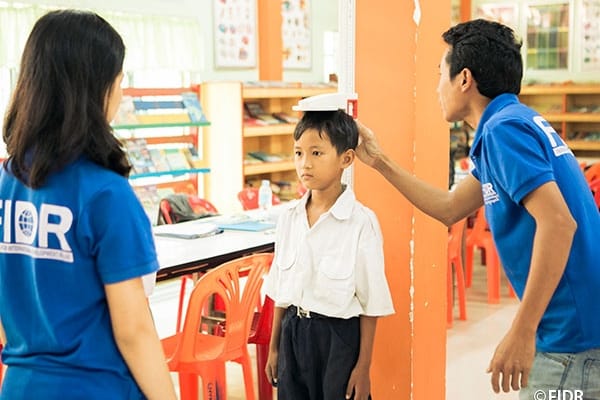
{"x": 178, "y": 257}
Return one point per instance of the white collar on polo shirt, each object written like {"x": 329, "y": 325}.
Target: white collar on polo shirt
{"x": 341, "y": 209}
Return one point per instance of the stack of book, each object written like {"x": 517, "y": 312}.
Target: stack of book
{"x": 145, "y": 159}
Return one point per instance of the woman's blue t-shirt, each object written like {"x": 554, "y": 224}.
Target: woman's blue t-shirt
{"x": 59, "y": 245}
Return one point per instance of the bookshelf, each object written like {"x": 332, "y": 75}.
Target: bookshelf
{"x": 163, "y": 133}
{"x": 235, "y": 134}
{"x": 574, "y": 112}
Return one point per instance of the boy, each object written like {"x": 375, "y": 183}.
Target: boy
{"x": 327, "y": 277}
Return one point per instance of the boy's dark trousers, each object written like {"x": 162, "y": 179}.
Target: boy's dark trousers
{"x": 316, "y": 356}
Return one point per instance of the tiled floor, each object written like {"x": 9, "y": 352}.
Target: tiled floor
{"x": 470, "y": 343}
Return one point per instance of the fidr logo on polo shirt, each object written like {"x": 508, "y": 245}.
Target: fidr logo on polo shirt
{"x": 32, "y": 229}
{"x": 489, "y": 194}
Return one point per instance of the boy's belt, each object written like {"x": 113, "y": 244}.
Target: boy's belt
{"x": 302, "y": 313}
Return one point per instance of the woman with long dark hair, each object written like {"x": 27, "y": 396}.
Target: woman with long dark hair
{"x": 74, "y": 239}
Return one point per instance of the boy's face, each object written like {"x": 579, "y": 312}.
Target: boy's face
{"x": 318, "y": 164}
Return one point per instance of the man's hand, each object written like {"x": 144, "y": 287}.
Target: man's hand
{"x": 359, "y": 384}
{"x": 513, "y": 359}
{"x": 368, "y": 150}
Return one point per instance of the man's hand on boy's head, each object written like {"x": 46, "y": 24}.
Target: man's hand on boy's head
{"x": 368, "y": 150}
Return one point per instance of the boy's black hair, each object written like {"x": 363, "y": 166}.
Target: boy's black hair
{"x": 490, "y": 51}
{"x": 338, "y": 126}
{"x": 58, "y": 111}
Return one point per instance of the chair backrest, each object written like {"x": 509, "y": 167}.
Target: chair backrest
{"x": 239, "y": 301}
{"x": 592, "y": 172}
{"x": 248, "y": 198}
{"x": 479, "y": 228}
{"x": 455, "y": 239}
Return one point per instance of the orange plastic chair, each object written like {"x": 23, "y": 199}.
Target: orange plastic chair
{"x": 198, "y": 204}
{"x": 248, "y": 198}
{"x": 480, "y": 237}
{"x": 455, "y": 270}
{"x": 260, "y": 335}
{"x": 595, "y": 187}
{"x": 199, "y": 350}
{"x": 592, "y": 172}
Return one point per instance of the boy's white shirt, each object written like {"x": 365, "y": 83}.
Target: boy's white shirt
{"x": 335, "y": 267}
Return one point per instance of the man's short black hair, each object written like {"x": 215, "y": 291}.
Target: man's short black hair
{"x": 490, "y": 51}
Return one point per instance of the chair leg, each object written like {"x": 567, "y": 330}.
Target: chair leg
{"x": 248, "y": 379}
{"x": 213, "y": 388}
{"x": 265, "y": 390}
{"x": 493, "y": 278}
{"x": 460, "y": 284}
{"x": 469, "y": 266}
{"x": 449, "y": 297}
{"x": 188, "y": 386}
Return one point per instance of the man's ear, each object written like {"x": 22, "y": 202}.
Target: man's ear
{"x": 466, "y": 78}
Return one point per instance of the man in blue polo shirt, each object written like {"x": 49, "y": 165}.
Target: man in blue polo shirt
{"x": 538, "y": 206}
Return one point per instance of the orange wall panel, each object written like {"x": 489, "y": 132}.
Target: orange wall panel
{"x": 396, "y": 78}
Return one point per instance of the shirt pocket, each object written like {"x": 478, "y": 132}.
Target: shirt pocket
{"x": 335, "y": 281}
{"x": 286, "y": 264}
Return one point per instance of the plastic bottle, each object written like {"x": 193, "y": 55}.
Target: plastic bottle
{"x": 265, "y": 195}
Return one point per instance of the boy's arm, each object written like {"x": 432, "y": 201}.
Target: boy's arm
{"x": 271, "y": 367}
{"x": 360, "y": 381}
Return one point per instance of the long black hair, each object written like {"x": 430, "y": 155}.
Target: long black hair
{"x": 58, "y": 109}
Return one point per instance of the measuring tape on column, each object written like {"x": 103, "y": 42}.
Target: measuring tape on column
{"x": 346, "y": 29}
{"x": 345, "y": 98}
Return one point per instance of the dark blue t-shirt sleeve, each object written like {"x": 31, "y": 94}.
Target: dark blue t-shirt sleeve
{"x": 518, "y": 157}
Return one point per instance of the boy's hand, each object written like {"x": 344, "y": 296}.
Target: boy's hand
{"x": 368, "y": 150}
{"x": 271, "y": 367}
{"x": 359, "y": 384}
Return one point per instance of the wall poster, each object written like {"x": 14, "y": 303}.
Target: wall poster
{"x": 590, "y": 36}
{"x": 296, "y": 36}
{"x": 235, "y": 33}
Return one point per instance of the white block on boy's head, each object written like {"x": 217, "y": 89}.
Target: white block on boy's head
{"x": 329, "y": 102}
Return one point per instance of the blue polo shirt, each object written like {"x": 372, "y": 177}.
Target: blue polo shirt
{"x": 59, "y": 245}
{"x": 515, "y": 151}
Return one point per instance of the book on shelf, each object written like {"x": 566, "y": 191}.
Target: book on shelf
{"x": 176, "y": 159}
{"x": 193, "y": 107}
{"x": 192, "y": 156}
{"x": 149, "y": 197}
{"x": 286, "y": 118}
{"x": 139, "y": 156}
{"x": 266, "y": 157}
{"x": 159, "y": 159}
{"x": 126, "y": 113}
{"x": 255, "y": 110}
